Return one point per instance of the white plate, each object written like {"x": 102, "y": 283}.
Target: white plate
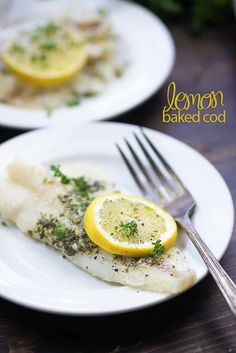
{"x": 147, "y": 45}
{"x": 36, "y": 276}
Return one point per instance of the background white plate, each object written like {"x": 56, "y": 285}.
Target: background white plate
{"x": 36, "y": 276}
{"x": 144, "y": 41}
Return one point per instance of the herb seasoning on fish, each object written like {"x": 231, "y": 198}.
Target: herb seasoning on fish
{"x": 60, "y": 225}
{"x": 66, "y": 232}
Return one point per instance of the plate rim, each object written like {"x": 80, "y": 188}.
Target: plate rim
{"x": 72, "y": 312}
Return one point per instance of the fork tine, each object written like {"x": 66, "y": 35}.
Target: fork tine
{"x": 173, "y": 177}
{"x": 132, "y": 171}
{"x": 163, "y": 180}
{"x": 158, "y": 191}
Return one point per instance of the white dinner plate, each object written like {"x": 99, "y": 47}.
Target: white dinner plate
{"x": 36, "y": 276}
{"x": 143, "y": 40}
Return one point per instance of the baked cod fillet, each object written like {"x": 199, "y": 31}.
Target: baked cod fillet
{"x": 50, "y": 209}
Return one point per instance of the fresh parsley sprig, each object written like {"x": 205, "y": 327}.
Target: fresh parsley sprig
{"x": 101, "y": 11}
{"x": 158, "y": 249}
{"x": 60, "y": 230}
{"x": 80, "y": 185}
{"x": 58, "y": 173}
{"x": 16, "y": 48}
{"x": 73, "y": 102}
{"x": 48, "y": 46}
{"x": 129, "y": 228}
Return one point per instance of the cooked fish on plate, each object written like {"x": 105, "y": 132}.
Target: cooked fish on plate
{"x": 78, "y": 239}
{"x": 50, "y": 207}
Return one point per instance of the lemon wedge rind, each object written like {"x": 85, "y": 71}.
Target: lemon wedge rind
{"x": 105, "y": 238}
{"x": 61, "y": 69}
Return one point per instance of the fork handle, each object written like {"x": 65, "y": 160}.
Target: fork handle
{"x": 223, "y": 281}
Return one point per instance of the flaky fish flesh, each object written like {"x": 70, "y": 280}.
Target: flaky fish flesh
{"x": 49, "y": 209}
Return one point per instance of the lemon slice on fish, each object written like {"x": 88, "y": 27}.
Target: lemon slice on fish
{"x": 128, "y": 225}
{"x": 49, "y": 55}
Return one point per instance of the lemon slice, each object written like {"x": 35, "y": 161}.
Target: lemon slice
{"x": 128, "y": 225}
{"x": 50, "y": 55}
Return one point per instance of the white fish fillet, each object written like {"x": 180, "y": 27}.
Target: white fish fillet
{"x": 24, "y": 196}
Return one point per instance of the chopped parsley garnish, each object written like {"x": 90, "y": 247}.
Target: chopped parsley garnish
{"x": 48, "y": 46}
{"x": 74, "y": 101}
{"x": 16, "y": 48}
{"x": 38, "y": 57}
{"x": 129, "y": 228}
{"x": 74, "y": 205}
{"x": 102, "y": 12}
{"x": 82, "y": 207}
{"x": 4, "y": 224}
{"x": 90, "y": 94}
{"x": 60, "y": 230}
{"x": 80, "y": 185}
{"x": 48, "y": 29}
{"x": 158, "y": 249}
{"x": 58, "y": 173}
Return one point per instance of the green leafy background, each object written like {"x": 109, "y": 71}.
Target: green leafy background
{"x": 197, "y": 14}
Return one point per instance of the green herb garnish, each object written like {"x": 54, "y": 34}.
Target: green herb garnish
{"x": 4, "y": 224}
{"x": 102, "y": 12}
{"x": 74, "y": 205}
{"x": 48, "y": 46}
{"x": 38, "y": 57}
{"x": 90, "y": 94}
{"x": 80, "y": 185}
{"x": 158, "y": 249}
{"x": 74, "y": 101}
{"x": 82, "y": 207}
{"x": 129, "y": 228}
{"x": 60, "y": 230}
{"x": 16, "y": 48}
{"x": 48, "y": 29}
{"x": 58, "y": 173}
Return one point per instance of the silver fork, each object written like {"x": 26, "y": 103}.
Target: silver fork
{"x": 168, "y": 191}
